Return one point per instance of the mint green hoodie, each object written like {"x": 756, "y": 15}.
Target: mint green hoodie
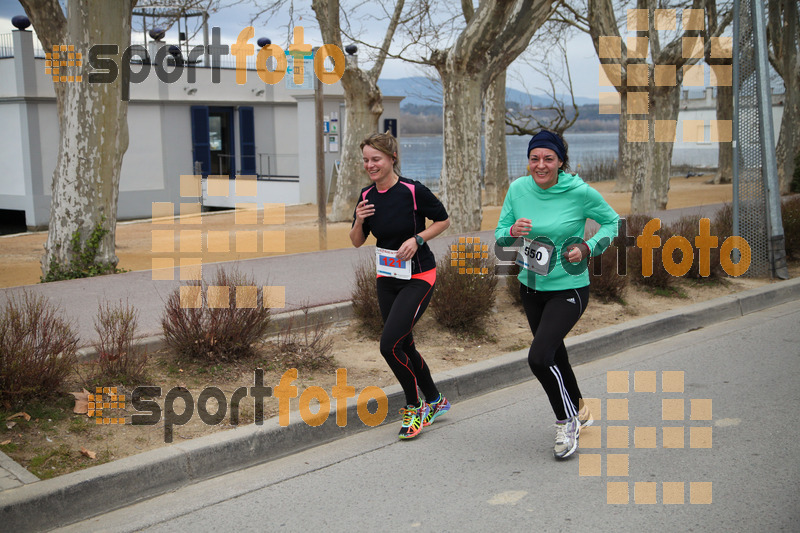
{"x": 558, "y": 214}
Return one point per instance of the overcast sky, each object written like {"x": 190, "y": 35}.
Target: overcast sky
{"x": 582, "y": 59}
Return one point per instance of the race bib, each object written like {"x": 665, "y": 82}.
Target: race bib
{"x": 535, "y": 256}
{"x": 387, "y": 264}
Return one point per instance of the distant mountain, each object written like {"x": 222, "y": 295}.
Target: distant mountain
{"x": 422, "y": 92}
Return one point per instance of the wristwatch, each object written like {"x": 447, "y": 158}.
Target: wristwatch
{"x": 419, "y": 239}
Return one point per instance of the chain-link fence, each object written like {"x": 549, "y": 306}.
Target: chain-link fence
{"x": 754, "y": 149}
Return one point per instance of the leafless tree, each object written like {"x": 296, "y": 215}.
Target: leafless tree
{"x": 721, "y": 56}
{"x": 554, "y": 71}
{"x": 363, "y": 98}
{"x": 469, "y": 49}
{"x": 648, "y": 92}
{"x": 783, "y": 35}
{"x": 93, "y": 126}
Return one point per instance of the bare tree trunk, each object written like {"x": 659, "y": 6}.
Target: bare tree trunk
{"x": 626, "y": 166}
{"x": 724, "y": 99}
{"x": 665, "y": 107}
{"x": 649, "y": 169}
{"x": 788, "y": 138}
{"x": 496, "y": 33}
{"x": 459, "y": 187}
{"x": 496, "y": 174}
{"x": 725, "y": 113}
{"x": 364, "y": 106}
{"x": 93, "y": 129}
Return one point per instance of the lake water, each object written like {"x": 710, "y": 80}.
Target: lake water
{"x": 421, "y": 156}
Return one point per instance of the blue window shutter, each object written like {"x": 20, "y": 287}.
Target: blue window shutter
{"x": 247, "y": 140}
{"x": 201, "y": 148}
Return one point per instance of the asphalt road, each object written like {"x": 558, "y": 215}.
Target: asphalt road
{"x": 312, "y": 279}
{"x": 488, "y": 466}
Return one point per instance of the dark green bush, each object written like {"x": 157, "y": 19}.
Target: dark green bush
{"x": 215, "y": 330}
{"x": 462, "y": 299}
{"x": 365, "y": 298}
{"x": 37, "y": 349}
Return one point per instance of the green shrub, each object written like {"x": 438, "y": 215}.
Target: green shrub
{"x": 119, "y": 359}
{"x": 215, "y": 330}
{"x": 790, "y": 214}
{"x": 83, "y": 262}
{"x": 365, "y": 298}
{"x": 461, "y": 300}
{"x": 37, "y": 349}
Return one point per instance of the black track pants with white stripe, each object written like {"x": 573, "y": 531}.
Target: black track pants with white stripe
{"x": 551, "y": 315}
{"x": 402, "y": 303}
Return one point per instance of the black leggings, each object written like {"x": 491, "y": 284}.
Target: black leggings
{"x": 402, "y": 303}
{"x": 551, "y": 314}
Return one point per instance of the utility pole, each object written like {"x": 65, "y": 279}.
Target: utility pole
{"x": 322, "y": 196}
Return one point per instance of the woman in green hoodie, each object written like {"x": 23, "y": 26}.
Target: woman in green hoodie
{"x": 548, "y": 209}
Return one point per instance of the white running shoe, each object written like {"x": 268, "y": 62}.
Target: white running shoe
{"x": 566, "y": 438}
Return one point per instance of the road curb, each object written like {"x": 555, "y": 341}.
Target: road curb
{"x": 86, "y": 493}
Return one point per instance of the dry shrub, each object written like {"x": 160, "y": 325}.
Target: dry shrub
{"x": 119, "y": 359}
{"x": 688, "y": 227}
{"x": 365, "y": 298}
{"x": 218, "y": 333}
{"x": 37, "y": 349}
{"x": 660, "y": 278}
{"x": 722, "y": 223}
{"x": 460, "y": 300}
{"x": 304, "y": 344}
{"x": 607, "y": 285}
{"x": 512, "y": 285}
{"x": 790, "y": 211}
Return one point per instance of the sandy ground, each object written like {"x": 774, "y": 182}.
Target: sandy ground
{"x": 21, "y": 254}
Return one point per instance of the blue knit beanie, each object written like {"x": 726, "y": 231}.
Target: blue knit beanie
{"x": 548, "y": 139}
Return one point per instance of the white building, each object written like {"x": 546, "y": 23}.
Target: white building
{"x": 698, "y": 108}
{"x": 175, "y": 129}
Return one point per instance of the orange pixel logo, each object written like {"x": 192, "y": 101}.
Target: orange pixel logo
{"x": 469, "y": 248}
{"x": 59, "y": 60}
{"x": 97, "y": 403}
{"x": 673, "y": 429}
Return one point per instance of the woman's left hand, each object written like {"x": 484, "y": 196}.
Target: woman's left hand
{"x": 407, "y": 249}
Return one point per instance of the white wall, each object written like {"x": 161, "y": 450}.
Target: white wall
{"x": 8, "y": 77}
{"x": 142, "y": 167}
{"x": 11, "y": 153}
